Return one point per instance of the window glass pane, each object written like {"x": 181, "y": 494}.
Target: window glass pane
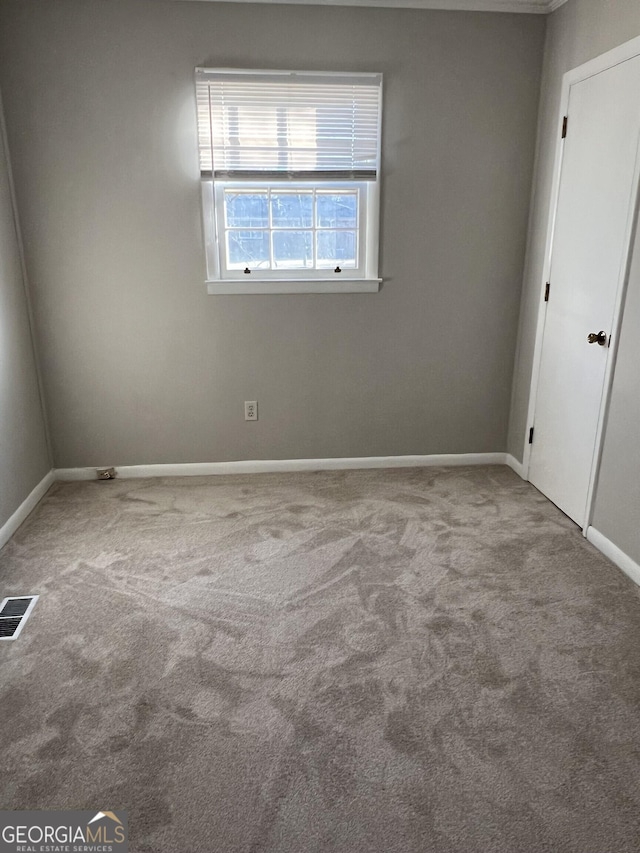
{"x": 246, "y": 210}
{"x": 292, "y": 249}
{"x": 292, "y": 210}
{"x": 286, "y": 228}
{"x": 336, "y": 248}
{"x": 337, "y": 210}
{"x": 248, "y": 249}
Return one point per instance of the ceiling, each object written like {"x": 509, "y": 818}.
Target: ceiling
{"x": 539, "y": 7}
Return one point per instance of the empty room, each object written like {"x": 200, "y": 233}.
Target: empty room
{"x": 319, "y": 406}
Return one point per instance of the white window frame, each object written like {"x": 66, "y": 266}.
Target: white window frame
{"x": 363, "y": 275}
{"x": 363, "y": 279}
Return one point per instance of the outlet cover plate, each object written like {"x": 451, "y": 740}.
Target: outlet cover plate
{"x": 251, "y": 410}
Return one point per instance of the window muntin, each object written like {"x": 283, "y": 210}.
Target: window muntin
{"x": 289, "y": 164}
{"x": 279, "y": 228}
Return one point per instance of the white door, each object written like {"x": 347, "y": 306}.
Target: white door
{"x": 590, "y": 247}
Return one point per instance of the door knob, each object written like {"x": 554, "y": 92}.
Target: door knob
{"x": 599, "y": 338}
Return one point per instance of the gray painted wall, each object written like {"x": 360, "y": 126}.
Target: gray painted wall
{"x": 576, "y": 33}
{"x": 24, "y": 459}
{"x": 140, "y": 365}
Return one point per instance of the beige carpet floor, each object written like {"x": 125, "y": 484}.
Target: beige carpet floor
{"x": 403, "y": 661}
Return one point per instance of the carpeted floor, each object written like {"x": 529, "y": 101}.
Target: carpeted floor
{"x": 402, "y": 661}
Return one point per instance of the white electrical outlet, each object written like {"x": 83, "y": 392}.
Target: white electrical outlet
{"x": 251, "y": 410}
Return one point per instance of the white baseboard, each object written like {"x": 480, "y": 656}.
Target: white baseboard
{"x": 623, "y": 561}
{"x": 26, "y": 508}
{"x": 263, "y": 466}
{"x": 516, "y": 466}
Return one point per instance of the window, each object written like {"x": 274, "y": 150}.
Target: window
{"x": 289, "y": 164}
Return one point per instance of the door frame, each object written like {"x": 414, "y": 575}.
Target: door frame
{"x": 605, "y": 61}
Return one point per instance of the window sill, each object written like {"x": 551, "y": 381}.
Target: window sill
{"x": 344, "y": 285}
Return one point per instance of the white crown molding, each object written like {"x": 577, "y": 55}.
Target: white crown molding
{"x": 535, "y": 7}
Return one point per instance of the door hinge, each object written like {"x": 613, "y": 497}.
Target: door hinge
{"x": 547, "y": 288}
{"x": 565, "y": 122}
{"x": 531, "y": 436}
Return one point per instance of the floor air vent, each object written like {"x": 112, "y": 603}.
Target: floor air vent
{"x": 14, "y": 612}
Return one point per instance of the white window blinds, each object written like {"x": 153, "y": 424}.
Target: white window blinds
{"x": 288, "y": 125}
